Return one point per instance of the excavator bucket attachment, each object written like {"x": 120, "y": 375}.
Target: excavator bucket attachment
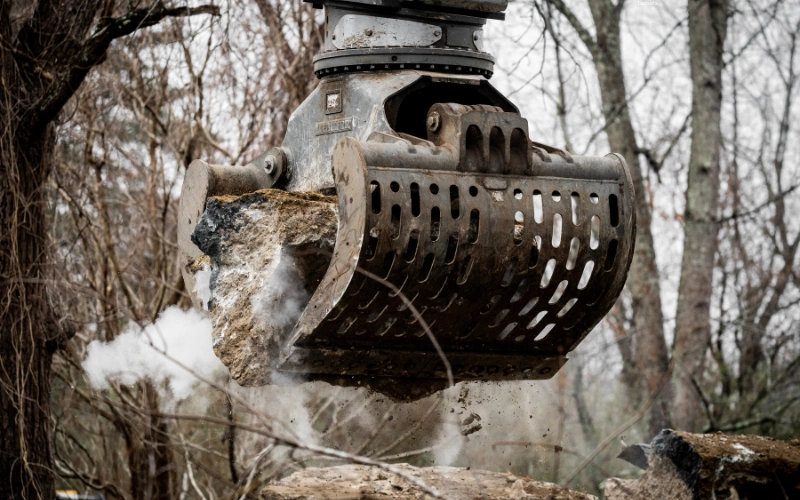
{"x": 509, "y": 250}
{"x": 509, "y": 253}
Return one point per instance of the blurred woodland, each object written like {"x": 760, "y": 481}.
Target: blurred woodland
{"x": 105, "y": 103}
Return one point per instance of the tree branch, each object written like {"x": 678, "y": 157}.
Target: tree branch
{"x": 583, "y": 33}
{"x": 93, "y": 52}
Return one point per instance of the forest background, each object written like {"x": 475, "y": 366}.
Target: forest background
{"x": 104, "y": 105}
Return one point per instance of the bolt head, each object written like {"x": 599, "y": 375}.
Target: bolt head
{"x": 269, "y": 164}
{"x": 437, "y": 33}
{"x": 475, "y": 37}
{"x": 368, "y": 32}
{"x": 433, "y": 121}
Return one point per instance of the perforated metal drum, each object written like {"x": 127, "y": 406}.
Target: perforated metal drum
{"x": 511, "y": 251}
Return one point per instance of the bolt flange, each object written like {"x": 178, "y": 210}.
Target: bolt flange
{"x": 270, "y": 163}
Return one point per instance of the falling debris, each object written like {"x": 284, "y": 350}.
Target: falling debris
{"x": 686, "y": 466}
{"x": 359, "y": 481}
{"x": 471, "y": 424}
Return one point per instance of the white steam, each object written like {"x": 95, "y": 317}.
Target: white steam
{"x": 281, "y": 301}
{"x": 156, "y": 352}
{"x": 202, "y": 285}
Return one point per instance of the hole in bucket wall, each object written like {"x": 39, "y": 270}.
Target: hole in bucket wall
{"x": 557, "y": 220}
{"x": 547, "y": 329}
{"x": 489, "y": 305}
{"x": 386, "y": 266}
{"x": 522, "y": 289}
{"x": 474, "y": 225}
{"x": 436, "y": 219}
{"x": 559, "y": 292}
{"x": 613, "y": 210}
{"x": 564, "y": 310}
{"x": 531, "y": 303}
{"x": 506, "y": 331}
{"x": 467, "y": 329}
{"x": 594, "y": 237}
{"x": 372, "y": 243}
{"x": 466, "y": 267}
{"x": 395, "y": 224}
{"x": 455, "y": 208}
{"x": 535, "y": 321}
{"x": 385, "y": 327}
{"x": 375, "y": 189}
{"x": 404, "y": 305}
{"x": 474, "y": 155}
{"x": 575, "y": 204}
{"x": 411, "y": 249}
{"x": 533, "y": 259}
{"x": 452, "y": 246}
{"x": 497, "y": 143}
{"x": 369, "y": 301}
{"x": 519, "y": 227}
{"x": 519, "y": 147}
{"x": 374, "y": 315}
{"x": 611, "y": 255}
{"x": 499, "y": 318}
{"x": 574, "y": 248}
{"x": 586, "y": 275}
{"x": 548, "y": 273}
{"x": 346, "y": 324}
{"x": 511, "y": 271}
{"x": 394, "y": 186}
{"x": 538, "y": 211}
{"x": 415, "y": 199}
{"x": 450, "y": 301}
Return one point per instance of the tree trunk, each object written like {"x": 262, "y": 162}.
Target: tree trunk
{"x": 650, "y": 355}
{"x": 45, "y": 54}
{"x": 707, "y": 29}
{"x": 149, "y": 455}
{"x": 26, "y": 462}
{"x": 29, "y": 334}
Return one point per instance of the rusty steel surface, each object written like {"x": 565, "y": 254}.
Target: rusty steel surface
{"x": 511, "y": 251}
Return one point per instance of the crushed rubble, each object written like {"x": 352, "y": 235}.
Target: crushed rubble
{"x": 368, "y": 483}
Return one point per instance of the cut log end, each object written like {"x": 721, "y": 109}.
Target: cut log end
{"x": 699, "y": 466}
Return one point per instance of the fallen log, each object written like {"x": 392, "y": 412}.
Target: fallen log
{"x": 687, "y": 466}
{"x": 367, "y": 483}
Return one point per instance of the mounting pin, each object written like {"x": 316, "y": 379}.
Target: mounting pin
{"x": 433, "y": 121}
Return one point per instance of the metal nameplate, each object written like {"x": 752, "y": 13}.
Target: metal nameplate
{"x": 335, "y": 126}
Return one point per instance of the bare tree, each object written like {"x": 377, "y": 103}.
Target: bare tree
{"x": 708, "y": 21}
{"x": 648, "y": 356}
{"x": 47, "y": 51}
